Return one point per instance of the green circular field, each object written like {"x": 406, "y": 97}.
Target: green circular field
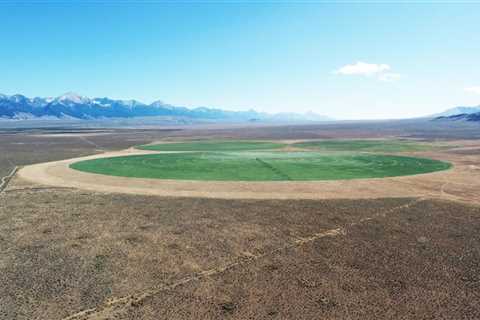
{"x": 260, "y": 166}
{"x": 359, "y": 145}
{"x": 213, "y": 145}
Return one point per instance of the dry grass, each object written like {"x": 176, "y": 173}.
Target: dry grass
{"x": 390, "y": 261}
{"x": 117, "y": 256}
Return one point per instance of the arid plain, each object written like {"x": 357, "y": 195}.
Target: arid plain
{"x": 393, "y": 248}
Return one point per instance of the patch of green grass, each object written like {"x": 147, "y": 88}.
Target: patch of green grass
{"x": 366, "y": 145}
{"x": 260, "y": 166}
{"x": 213, "y": 145}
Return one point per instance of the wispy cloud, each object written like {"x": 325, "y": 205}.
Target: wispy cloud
{"x": 363, "y": 68}
{"x": 389, "y": 76}
{"x": 379, "y": 71}
{"x": 475, "y": 90}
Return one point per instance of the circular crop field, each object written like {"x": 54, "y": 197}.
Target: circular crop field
{"x": 213, "y": 145}
{"x": 378, "y": 145}
{"x": 259, "y": 166}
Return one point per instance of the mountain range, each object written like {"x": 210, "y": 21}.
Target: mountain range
{"x": 74, "y": 106}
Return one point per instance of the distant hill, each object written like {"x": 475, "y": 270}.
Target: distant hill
{"x": 461, "y": 117}
{"x": 457, "y": 111}
{"x": 459, "y": 114}
{"x": 74, "y": 106}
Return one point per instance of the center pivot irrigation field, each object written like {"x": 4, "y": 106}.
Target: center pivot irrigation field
{"x": 373, "y": 145}
{"x": 213, "y": 145}
{"x": 256, "y": 165}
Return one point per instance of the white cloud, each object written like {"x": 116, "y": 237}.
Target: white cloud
{"x": 473, "y": 89}
{"x": 379, "y": 71}
{"x": 363, "y": 68}
{"x": 389, "y": 76}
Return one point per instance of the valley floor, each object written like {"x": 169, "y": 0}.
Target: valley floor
{"x": 69, "y": 253}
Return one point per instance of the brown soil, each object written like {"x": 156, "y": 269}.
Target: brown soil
{"x": 69, "y": 254}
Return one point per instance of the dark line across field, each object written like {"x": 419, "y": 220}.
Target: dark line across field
{"x": 274, "y": 170}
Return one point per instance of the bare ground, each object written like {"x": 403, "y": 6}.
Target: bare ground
{"x": 112, "y": 256}
{"x": 67, "y": 253}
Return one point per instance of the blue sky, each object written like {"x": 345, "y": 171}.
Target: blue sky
{"x": 349, "y": 61}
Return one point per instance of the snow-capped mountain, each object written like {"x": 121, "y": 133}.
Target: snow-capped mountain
{"x": 74, "y": 106}
{"x": 461, "y": 117}
{"x": 458, "y": 110}
{"x": 459, "y": 114}
{"x": 71, "y": 98}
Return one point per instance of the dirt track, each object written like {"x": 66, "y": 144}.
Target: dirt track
{"x": 460, "y": 183}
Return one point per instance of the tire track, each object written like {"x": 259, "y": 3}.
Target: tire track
{"x": 26, "y": 189}
{"x": 100, "y": 148}
{"x": 115, "y": 305}
{"x": 8, "y": 178}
